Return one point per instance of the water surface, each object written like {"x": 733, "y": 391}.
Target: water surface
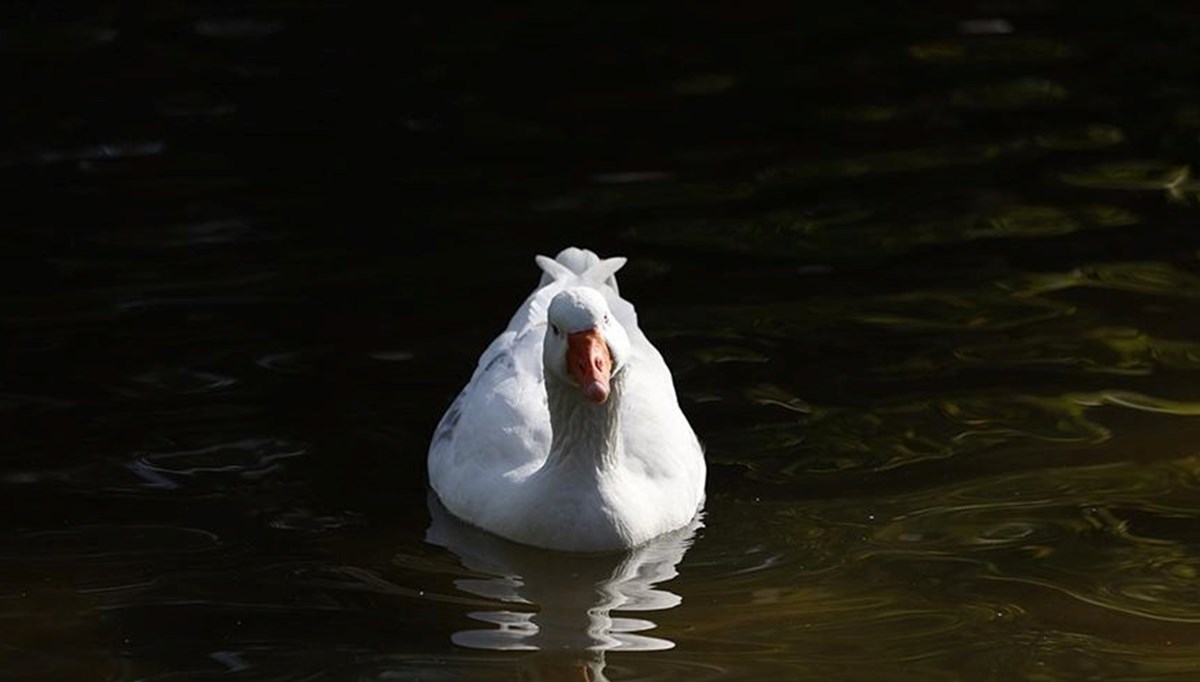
{"x": 927, "y": 277}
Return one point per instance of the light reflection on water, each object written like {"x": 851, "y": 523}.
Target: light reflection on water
{"x": 566, "y": 602}
{"x": 1008, "y": 575}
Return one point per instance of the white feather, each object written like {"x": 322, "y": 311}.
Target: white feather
{"x": 615, "y": 479}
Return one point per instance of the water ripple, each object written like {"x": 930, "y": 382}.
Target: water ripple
{"x": 978, "y": 310}
{"x": 1110, "y": 350}
{"x": 106, "y": 542}
{"x": 101, "y": 152}
{"x": 886, "y": 163}
{"x": 181, "y": 381}
{"x": 849, "y": 231}
{"x": 56, "y": 38}
{"x": 1131, "y": 175}
{"x": 293, "y": 361}
{"x": 1012, "y": 95}
{"x": 992, "y": 50}
{"x": 237, "y": 28}
{"x": 249, "y": 459}
{"x": 1158, "y": 278}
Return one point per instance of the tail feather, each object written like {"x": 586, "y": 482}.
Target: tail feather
{"x": 581, "y": 263}
{"x": 576, "y": 259}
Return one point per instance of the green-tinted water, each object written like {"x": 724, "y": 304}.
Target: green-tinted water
{"x": 928, "y": 277}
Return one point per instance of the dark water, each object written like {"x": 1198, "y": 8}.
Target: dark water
{"x": 928, "y": 277}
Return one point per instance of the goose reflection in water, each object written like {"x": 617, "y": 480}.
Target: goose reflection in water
{"x": 564, "y": 601}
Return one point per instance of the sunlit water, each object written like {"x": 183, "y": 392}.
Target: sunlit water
{"x": 929, "y": 280}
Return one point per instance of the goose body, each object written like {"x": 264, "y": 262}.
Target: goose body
{"x": 569, "y": 434}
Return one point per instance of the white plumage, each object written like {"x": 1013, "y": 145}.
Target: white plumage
{"x": 569, "y": 435}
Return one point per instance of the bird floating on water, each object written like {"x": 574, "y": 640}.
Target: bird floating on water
{"x": 569, "y": 435}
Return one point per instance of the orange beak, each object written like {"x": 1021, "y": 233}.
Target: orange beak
{"x": 590, "y": 364}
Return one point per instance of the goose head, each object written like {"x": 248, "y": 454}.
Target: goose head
{"x": 585, "y": 346}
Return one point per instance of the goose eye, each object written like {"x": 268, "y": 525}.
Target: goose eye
{"x": 554, "y": 328}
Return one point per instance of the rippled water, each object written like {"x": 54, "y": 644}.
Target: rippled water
{"x": 928, "y": 277}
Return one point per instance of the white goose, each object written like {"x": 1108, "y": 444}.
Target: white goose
{"x": 569, "y": 435}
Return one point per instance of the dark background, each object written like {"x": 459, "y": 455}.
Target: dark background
{"x": 894, "y": 253}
